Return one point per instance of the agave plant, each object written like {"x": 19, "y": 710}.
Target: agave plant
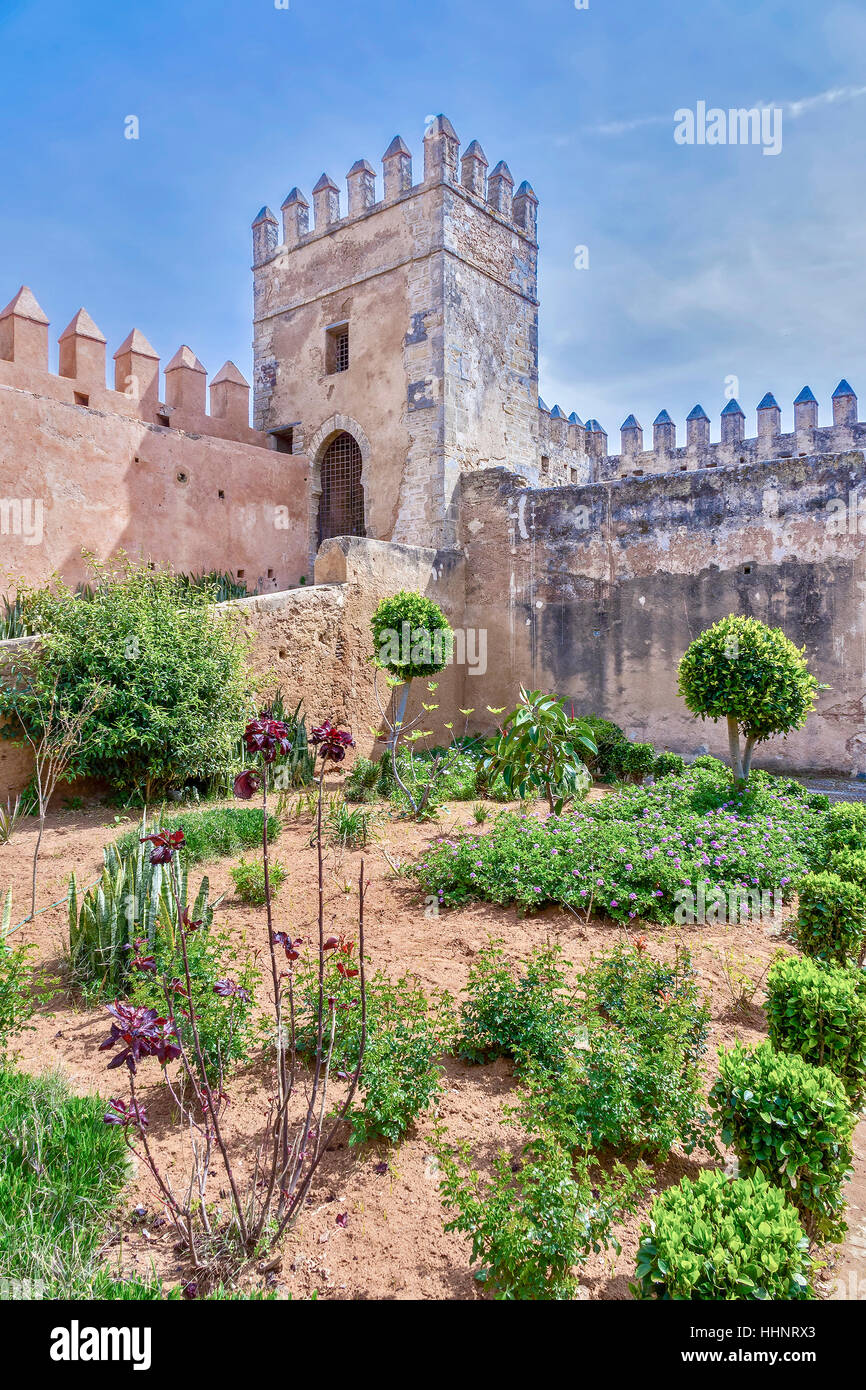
{"x": 11, "y": 814}
{"x": 131, "y": 902}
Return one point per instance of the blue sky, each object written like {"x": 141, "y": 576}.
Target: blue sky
{"x": 704, "y": 262}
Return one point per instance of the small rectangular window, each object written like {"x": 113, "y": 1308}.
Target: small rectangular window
{"x": 284, "y": 440}
{"x": 81, "y": 398}
{"x": 337, "y": 349}
{"x": 545, "y": 464}
{"x": 164, "y": 421}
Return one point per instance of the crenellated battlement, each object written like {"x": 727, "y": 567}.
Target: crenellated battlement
{"x": 442, "y": 164}
{"x": 571, "y": 451}
{"x": 80, "y": 380}
{"x": 806, "y": 438}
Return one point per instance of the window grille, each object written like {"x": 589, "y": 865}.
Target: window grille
{"x": 341, "y": 505}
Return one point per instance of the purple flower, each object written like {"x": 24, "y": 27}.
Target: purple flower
{"x": 164, "y": 843}
{"x": 247, "y": 784}
{"x": 332, "y": 741}
{"x": 267, "y": 737}
{"x": 142, "y": 1033}
{"x": 119, "y": 1113}
{"x": 230, "y": 989}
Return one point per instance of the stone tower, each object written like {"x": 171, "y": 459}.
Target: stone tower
{"x": 396, "y": 343}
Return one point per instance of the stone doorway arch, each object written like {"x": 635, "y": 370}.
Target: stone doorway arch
{"x": 339, "y": 454}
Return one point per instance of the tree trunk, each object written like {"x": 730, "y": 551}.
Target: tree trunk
{"x": 734, "y": 746}
{"x": 747, "y": 756}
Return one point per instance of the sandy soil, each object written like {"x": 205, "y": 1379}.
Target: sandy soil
{"x": 393, "y": 1245}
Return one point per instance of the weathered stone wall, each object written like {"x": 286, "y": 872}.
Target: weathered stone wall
{"x": 595, "y": 592}
{"x": 314, "y": 642}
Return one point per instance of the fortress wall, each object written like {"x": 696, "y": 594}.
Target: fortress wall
{"x": 103, "y": 481}
{"x": 595, "y": 592}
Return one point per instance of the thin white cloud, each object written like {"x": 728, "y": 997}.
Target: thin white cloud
{"x": 794, "y": 109}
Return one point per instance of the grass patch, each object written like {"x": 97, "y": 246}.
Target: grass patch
{"x": 212, "y": 833}
{"x": 61, "y": 1170}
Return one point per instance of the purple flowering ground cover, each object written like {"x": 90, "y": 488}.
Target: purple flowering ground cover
{"x": 628, "y": 856}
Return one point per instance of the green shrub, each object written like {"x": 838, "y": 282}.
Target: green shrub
{"x": 849, "y": 865}
{"x": 169, "y": 667}
{"x": 792, "y": 1121}
{"x": 223, "y": 976}
{"x": 249, "y": 880}
{"x": 716, "y": 1239}
{"x": 407, "y": 1033}
{"x": 845, "y": 827}
{"x": 212, "y": 833}
{"x": 818, "y": 801}
{"x": 411, "y": 636}
{"x": 831, "y": 920}
{"x": 537, "y": 1219}
{"x": 710, "y": 764}
{"x": 362, "y": 783}
{"x": 819, "y": 1012}
{"x": 61, "y": 1170}
{"x": 668, "y": 765}
{"x": 528, "y": 1013}
{"x": 611, "y": 743}
{"x": 635, "y": 1083}
{"x": 638, "y": 761}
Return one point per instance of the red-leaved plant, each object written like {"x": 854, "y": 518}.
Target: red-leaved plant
{"x": 289, "y": 1153}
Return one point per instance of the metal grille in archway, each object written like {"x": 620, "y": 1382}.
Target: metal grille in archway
{"x": 341, "y": 505}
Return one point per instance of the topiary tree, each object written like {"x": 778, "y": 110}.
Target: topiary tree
{"x": 411, "y": 637}
{"x": 753, "y": 677}
{"x": 169, "y": 671}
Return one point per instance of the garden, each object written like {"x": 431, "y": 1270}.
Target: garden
{"x": 541, "y": 1013}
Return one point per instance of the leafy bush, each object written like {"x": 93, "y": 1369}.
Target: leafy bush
{"x": 638, "y": 761}
{"x": 753, "y": 677}
{"x": 831, "y": 920}
{"x": 819, "y": 1012}
{"x": 845, "y": 828}
{"x": 610, "y": 741}
{"x": 716, "y": 1239}
{"x": 132, "y": 901}
{"x": 849, "y": 865}
{"x": 636, "y": 1081}
{"x": 61, "y": 1169}
{"x": 541, "y": 750}
{"x": 668, "y": 765}
{"x": 249, "y": 880}
{"x": 411, "y": 635}
{"x": 633, "y": 853}
{"x": 818, "y": 801}
{"x": 362, "y": 783}
{"x": 792, "y": 1121}
{"x": 407, "y": 1033}
{"x": 528, "y": 1013}
{"x": 710, "y": 764}
{"x": 223, "y": 978}
{"x": 169, "y": 667}
{"x": 538, "y": 1219}
{"x": 214, "y": 832}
